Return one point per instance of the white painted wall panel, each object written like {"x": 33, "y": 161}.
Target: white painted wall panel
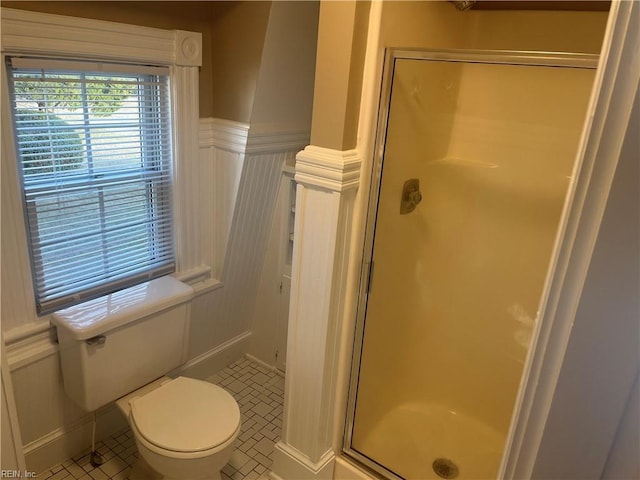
{"x": 205, "y": 332}
{"x": 237, "y": 198}
{"x": 40, "y": 399}
{"x": 219, "y": 181}
{"x": 226, "y": 174}
{"x": 264, "y": 320}
{"x": 11, "y": 456}
{"x": 248, "y": 238}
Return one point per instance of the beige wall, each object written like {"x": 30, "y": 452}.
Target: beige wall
{"x": 426, "y": 24}
{"x": 196, "y": 17}
{"x": 434, "y": 24}
{"x": 423, "y": 24}
{"x": 233, "y": 35}
{"x": 284, "y": 90}
{"x": 562, "y": 31}
{"x": 239, "y": 30}
{"x": 342, "y": 34}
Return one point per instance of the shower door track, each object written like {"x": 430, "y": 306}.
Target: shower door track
{"x": 498, "y": 57}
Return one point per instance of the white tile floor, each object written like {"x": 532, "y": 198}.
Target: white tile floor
{"x": 258, "y": 391}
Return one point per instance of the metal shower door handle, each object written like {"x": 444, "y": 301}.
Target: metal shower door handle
{"x": 411, "y": 196}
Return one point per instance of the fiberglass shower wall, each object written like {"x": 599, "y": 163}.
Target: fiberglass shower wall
{"x": 457, "y": 283}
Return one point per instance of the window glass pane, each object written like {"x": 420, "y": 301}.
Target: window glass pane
{"x": 95, "y": 156}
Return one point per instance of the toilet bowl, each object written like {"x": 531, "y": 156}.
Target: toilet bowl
{"x": 184, "y": 428}
{"x": 118, "y": 347}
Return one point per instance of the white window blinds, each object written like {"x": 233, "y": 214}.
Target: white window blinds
{"x": 94, "y": 149}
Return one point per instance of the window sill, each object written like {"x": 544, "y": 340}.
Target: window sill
{"x": 200, "y": 279}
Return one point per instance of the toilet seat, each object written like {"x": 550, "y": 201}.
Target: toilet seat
{"x": 185, "y": 418}
{"x": 180, "y": 455}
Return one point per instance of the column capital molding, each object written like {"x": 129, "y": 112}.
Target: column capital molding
{"x": 334, "y": 170}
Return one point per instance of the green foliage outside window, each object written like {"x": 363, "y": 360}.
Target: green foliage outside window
{"x": 51, "y": 146}
{"x": 103, "y": 96}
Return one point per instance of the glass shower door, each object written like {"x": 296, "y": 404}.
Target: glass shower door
{"x": 477, "y": 160}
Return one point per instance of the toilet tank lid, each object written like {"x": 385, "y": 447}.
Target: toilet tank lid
{"x": 98, "y": 316}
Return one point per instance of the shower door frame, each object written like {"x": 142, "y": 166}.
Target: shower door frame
{"x": 497, "y": 57}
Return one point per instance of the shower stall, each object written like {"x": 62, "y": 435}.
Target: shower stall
{"x": 475, "y": 154}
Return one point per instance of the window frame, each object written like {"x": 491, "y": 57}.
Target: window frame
{"x": 58, "y": 37}
{"x": 151, "y": 174}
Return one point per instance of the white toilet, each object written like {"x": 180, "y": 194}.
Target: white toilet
{"x": 119, "y": 347}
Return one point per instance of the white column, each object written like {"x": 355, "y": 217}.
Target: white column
{"x": 327, "y": 182}
{"x": 187, "y": 55}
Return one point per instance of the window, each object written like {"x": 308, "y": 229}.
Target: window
{"x": 94, "y": 150}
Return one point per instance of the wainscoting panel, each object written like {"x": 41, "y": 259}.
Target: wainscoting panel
{"x": 226, "y": 173}
{"x": 41, "y": 403}
{"x": 237, "y": 195}
{"x": 222, "y": 153}
{"x": 270, "y": 312}
{"x": 248, "y": 239}
{"x": 204, "y": 333}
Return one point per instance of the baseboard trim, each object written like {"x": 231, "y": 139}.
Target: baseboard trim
{"x": 260, "y": 362}
{"x": 63, "y": 443}
{"x": 289, "y": 464}
{"x": 205, "y": 365}
{"x": 273, "y": 368}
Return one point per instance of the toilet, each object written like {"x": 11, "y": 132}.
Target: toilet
{"x": 119, "y": 348}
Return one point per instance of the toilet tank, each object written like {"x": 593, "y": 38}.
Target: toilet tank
{"x": 115, "y": 344}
